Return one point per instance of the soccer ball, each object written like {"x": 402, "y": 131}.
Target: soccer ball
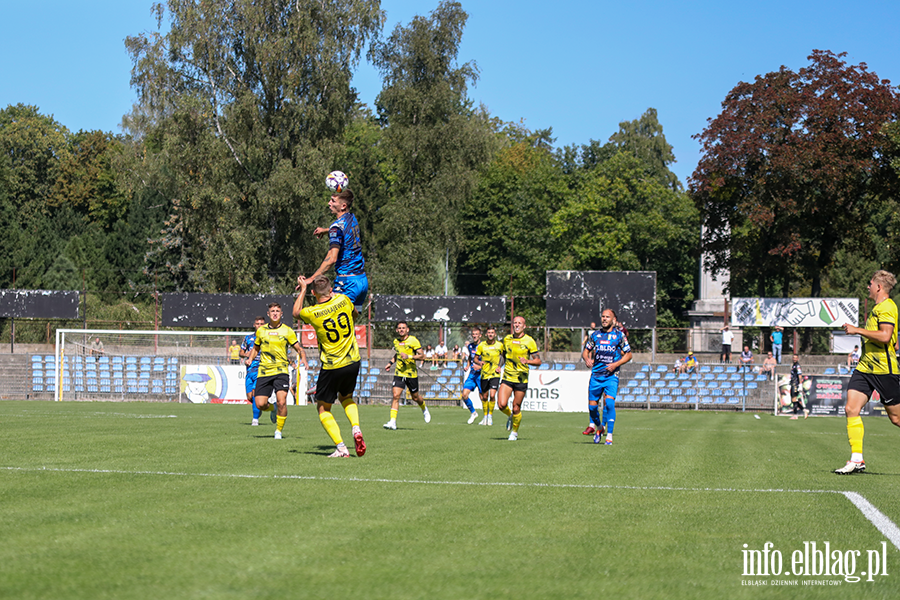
{"x": 336, "y": 181}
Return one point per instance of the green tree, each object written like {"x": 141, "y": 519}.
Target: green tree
{"x": 245, "y": 102}
{"x": 506, "y": 224}
{"x": 644, "y": 138}
{"x": 791, "y": 170}
{"x": 435, "y": 143}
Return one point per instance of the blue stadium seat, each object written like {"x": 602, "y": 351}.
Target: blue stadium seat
{"x": 734, "y": 401}
{"x": 752, "y": 385}
{"x": 371, "y": 378}
{"x": 718, "y": 369}
{"x": 652, "y": 398}
{"x": 631, "y": 384}
{"x": 35, "y": 358}
{"x": 570, "y": 366}
{"x": 731, "y": 369}
{"x": 442, "y": 380}
{"x": 643, "y": 383}
{"x": 829, "y": 371}
{"x": 705, "y": 369}
{"x": 645, "y": 367}
{"x": 374, "y": 371}
{"x": 640, "y": 375}
{"x": 736, "y": 377}
{"x": 454, "y": 381}
{"x": 722, "y": 377}
{"x": 712, "y": 384}
{"x": 365, "y": 394}
{"x": 661, "y": 368}
{"x": 446, "y": 372}
{"x": 654, "y": 375}
{"x": 365, "y": 363}
{"x": 640, "y": 398}
{"x": 669, "y": 376}
{"x": 681, "y": 399}
{"x": 452, "y": 365}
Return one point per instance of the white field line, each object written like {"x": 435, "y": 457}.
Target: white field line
{"x": 881, "y": 522}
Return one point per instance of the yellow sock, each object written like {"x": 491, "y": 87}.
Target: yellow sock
{"x": 855, "y": 432}
{"x": 279, "y": 422}
{"x": 516, "y": 420}
{"x": 422, "y": 406}
{"x": 352, "y": 411}
{"x": 331, "y": 426}
{"x": 393, "y": 414}
{"x": 490, "y": 407}
{"x": 506, "y": 410}
{"x": 269, "y": 408}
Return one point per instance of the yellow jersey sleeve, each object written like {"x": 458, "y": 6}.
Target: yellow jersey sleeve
{"x": 406, "y": 367}
{"x": 490, "y": 357}
{"x": 273, "y": 344}
{"x": 878, "y": 358}
{"x": 515, "y": 349}
{"x": 335, "y": 333}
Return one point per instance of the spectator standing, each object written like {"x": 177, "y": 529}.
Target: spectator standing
{"x": 776, "y": 337}
{"x": 727, "y": 339}
{"x": 234, "y": 353}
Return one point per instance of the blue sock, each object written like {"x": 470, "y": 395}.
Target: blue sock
{"x": 594, "y": 411}
{"x": 609, "y": 410}
{"x": 469, "y": 405}
{"x": 256, "y": 411}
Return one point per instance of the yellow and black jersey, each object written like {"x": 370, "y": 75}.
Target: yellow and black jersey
{"x": 515, "y": 349}
{"x": 272, "y": 344}
{"x": 490, "y": 357}
{"x": 878, "y": 358}
{"x": 406, "y": 367}
{"x": 333, "y": 322}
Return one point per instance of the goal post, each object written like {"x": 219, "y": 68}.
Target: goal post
{"x": 154, "y": 366}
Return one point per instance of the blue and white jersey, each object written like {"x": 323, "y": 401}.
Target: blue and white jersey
{"x": 471, "y": 347}
{"x": 606, "y": 347}
{"x": 344, "y": 235}
{"x": 246, "y": 346}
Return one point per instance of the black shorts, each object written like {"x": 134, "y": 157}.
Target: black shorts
{"x": 411, "y": 383}
{"x": 334, "y": 383}
{"x": 273, "y": 383}
{"x": 490, "y": 384}
{"x": 887, "y": 386}
{"x": 515, "y": 385}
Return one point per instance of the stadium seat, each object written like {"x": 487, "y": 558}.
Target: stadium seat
{"x": 718, "y": 369}
{"x": 365, "y": 393}
{"x": 681, "y": 399}
{"x": 557, "y": 366}
{"x": 645, "y": 367}
{"x": 661, "y": 368}
{"x": 117, "y": 366}
{"x": 640, "y": 375}
{"x": 705, "y": 369}
{"x": 570, "y": 367}
{"x": 724, "y": 385}
{"x": 49, "y": 358}
{"x": 132, "y": 360}
{"x": 752, "y": 385}
{"x": 669, "y": 376}
{"x": 35, "y": 359}
{"x": 719, "y": 400}
{"x": 734, "y": 401}
{"x": 660, "y": 384}
{"x": 761, "y": 377}
{"x": 652, "y": 398}
{"x": 706, "y": 400}
{"x": 631, "y": 384}
{"x": 731, "y": 369}
{"x": 683, "y": 376}
{"x": 736, "y": 377}
{"x": 543, "y": 367}
{"x": 454, "y": 381}
{"x": 654, "y": 375}
{"x": 712, "y": 384}
{"x": 374, "y": 371}
{"x": 371, "y": 379}
{"x": 829, "y": 371}
{"x": 365, "y": 363}
{"x": 722, "y": 377}
{"x": 708, "y": 377}
{"x": 103, "y": 360}
{"x": 640, "y": 398}
{"x": 452, "y": 365}
{"x": 643, "y": 383}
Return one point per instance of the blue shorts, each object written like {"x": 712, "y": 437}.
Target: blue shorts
{"x": 355, "y": 287}
{"x": 598, "y": 385}
{"x": 250, "y": 379}
{"x": 472, "y": 380}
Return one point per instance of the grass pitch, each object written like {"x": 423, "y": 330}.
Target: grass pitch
{"x": 134, "y": 500}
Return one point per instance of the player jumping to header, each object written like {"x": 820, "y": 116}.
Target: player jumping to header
{"x": 332, "y": 317}
{"x": 344, "y": 251}
{"x": 606, "y": 350}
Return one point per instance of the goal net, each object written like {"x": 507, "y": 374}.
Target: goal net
{"x": 155, "y": 366}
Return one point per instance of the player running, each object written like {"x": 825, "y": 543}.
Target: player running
{"x": 519, "y": 352}
{"x": 252, "y": 368}
{"x": 489, "y": 356}
{"x": 473, "y": 377}
{"x": 344, "y": 251}
{"x": 332, "y": 317}
{"x": 271, "y": 345}
{"x": 606, "y": 350}
{"x": 877, "y": 369}
{"x": 407, "y": 350}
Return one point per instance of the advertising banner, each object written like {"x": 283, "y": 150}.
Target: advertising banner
{"x": 794, "y": 312}
{"x": 824, "y": 395}
{"x": 553, "y": 391}
{"x": 224, "y": 384}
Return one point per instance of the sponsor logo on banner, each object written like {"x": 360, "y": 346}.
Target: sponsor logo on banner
{"x": 222, "y": 384}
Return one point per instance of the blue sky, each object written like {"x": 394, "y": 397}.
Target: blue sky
{"x": 579, "y": 67}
